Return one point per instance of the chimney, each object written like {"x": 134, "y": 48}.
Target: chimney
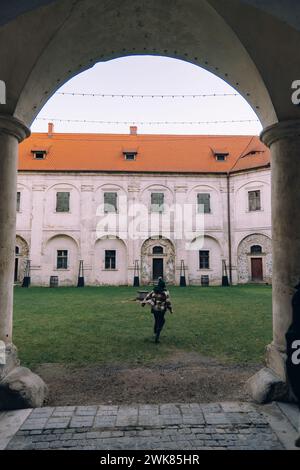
{"x": 50, "y": 129}
{"x": 133, "y": 130}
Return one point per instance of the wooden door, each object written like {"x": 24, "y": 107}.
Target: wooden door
{"x": 158, "y": 268}
{"x": 256, "y": 269}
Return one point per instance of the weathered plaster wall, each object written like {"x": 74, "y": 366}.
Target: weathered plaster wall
{"x": 37, "y": 222}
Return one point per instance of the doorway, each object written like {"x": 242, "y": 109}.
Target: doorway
{"x": 17, "y": 253}
{"x": 16, "y": 269}
{"x": 256, "y": 269}
{"x": 158, "y": 268}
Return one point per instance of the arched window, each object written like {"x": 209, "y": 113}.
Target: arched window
{"x": 17, "y": 250}
{"x": 256, "y": 249}
{"x": 158, "y": 250}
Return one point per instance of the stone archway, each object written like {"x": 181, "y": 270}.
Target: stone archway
{"x": 157, "y": 259}
{"x": 258, "y": 248}
{"x": 21, "y": 258}
{"x": 215, "y": 34}
{"x": 94, "y": 31}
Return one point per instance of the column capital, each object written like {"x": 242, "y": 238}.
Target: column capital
{"x": 13, "y": 126}
{"x": 281, "y": 130}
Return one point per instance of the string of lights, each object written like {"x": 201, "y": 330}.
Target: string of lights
{"x": 182, "y": 96}
{"x": 150, "y": 123}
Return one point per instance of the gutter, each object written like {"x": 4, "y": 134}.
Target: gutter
{"x": 229, "y": 227}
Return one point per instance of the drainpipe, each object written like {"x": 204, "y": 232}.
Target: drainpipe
{"x": 229, "y": 228}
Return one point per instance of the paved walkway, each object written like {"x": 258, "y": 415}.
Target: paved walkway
{"x": 151, "y": 427}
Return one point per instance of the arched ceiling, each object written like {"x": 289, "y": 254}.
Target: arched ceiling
{"x": 241, "y": 41}
{"x": 10, "y": 9}
{"x": 284, "y": 10}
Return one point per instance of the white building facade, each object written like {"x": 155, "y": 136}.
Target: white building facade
{"x": 125, "y": 222}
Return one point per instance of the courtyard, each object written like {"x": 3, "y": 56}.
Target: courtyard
{"x": 95, "y": 345}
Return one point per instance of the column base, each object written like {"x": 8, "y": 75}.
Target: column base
{"x": 19, "y": 387}
{"x": 270, "y": 383}
{"x": 8, "y": 360}
{"x": 265, "y": 386}
{"x": 276, "y": 361}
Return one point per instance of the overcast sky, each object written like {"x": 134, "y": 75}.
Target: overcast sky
{"x": 148, "y": 75}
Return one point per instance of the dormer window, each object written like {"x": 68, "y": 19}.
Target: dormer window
{"x": 39, "y": 154}
{"x": 130, "y": 155}
{"x": 220, "y": 155}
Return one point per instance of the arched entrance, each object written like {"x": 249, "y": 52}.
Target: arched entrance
{"x": 215, "y": 34}
{"x": 21, "y": 258}
{"x": 157, "y": 259}
{"x": 255, "y": 259}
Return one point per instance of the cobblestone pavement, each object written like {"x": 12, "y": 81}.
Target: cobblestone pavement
{"x": 147, "y": 427}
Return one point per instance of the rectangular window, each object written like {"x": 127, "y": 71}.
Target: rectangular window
{"x": 62, "y": 259}
{"x": 62, "y": 202}
{"x": 204, "y": 259}
{"x": 110, "y": 202}
{"x": 254, "y": 201}
{"x": 110, "y": 259}
{"x": 204, "y": 201}
{"x": 130, "y": 156}
{"x": 39, "y": 154}
{"x": 18, "y": 201}
{"x": 157, "y": 202}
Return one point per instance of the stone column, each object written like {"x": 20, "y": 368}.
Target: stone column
{"x": 19, "y": 388}
{"x": 12, "y": 132}
{"x": 284, "y": 141}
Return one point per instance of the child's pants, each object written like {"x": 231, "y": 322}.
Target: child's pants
{"x": 159, "y": 321}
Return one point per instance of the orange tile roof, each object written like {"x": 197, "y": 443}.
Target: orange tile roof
{"x": 156, "y": 153}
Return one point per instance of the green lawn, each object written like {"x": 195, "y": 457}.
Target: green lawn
{"x": 105, "y": 325}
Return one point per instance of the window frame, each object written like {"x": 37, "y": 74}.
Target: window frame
{"x": 108, "y": 203}
{"x": 110, "y": 262}
{"x": 250, "y": 191}
{"x": 159, "y": 250}
{"x": 198, "y": 204}
{"x": 56, "y": 202}
{"x": 64, "y": 257}
{"x": 160, "y": 207}
{"x": 221, "y": 157}
{"x": 18, "y": 201}
{"x": 128, "y": 156}
{"x": 256, "y": 253}
{"x": 39, "y": 152}
{"x": 201, "y": 259}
